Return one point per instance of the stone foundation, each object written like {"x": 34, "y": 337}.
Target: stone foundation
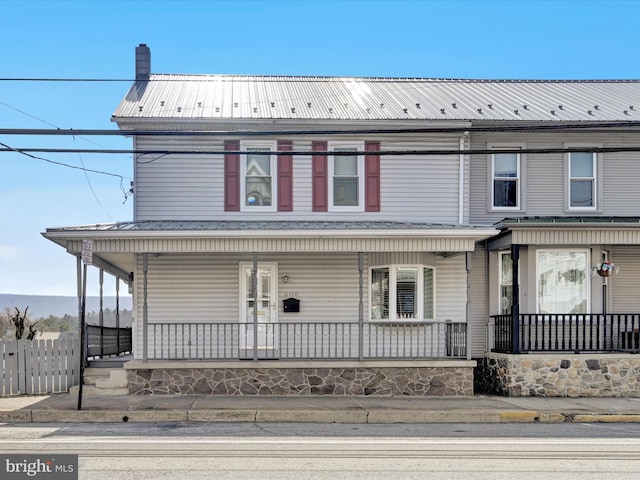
{"x": 275, "y": 379}
{"x": 559, "y": 375}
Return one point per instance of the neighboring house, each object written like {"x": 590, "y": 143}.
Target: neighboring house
{"x": 348, "y": 236}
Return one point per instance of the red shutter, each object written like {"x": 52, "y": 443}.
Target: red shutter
{"x": 231, "y": 176}
{"x": 372, "y": 177}
{"x": 285, "y": 177}
{"x": 320, "y": 184}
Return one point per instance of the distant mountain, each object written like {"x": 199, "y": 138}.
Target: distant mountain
{"x": 45, "y": 305}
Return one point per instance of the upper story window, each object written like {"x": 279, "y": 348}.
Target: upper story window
{"x": 346, "y": 177}
{"x": 258, "y": 186}
{"x": 582, "y": 180}
{"x": 505, "y": 168}
{"x": 402, "y": 292}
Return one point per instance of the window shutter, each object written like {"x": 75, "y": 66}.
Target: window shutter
{"x": 285, "y": 177}
{"x": 372, "y": 177}
{"x": 320, "y": 181}
{"x": 231, "y": 176}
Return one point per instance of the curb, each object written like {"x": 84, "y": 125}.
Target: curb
{"x": 371, "y": 416}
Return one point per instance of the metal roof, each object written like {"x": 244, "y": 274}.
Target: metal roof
{"x": 570, "y": 220}
{"x": 259, "y": 225}
{"x": 225, "y": 97}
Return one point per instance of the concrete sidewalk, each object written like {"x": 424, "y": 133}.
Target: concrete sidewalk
{"x": 184, "y": 408}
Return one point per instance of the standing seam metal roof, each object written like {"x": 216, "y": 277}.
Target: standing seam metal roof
{"x": 354, "y": 98}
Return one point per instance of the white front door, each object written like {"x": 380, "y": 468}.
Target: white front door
{"x": 265, "y": 338}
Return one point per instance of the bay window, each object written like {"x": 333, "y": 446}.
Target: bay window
{"x": 402, "y": 292}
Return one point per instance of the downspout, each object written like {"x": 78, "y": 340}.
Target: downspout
{"x": 145, "y": 312}
{"x": 461, "y": 179}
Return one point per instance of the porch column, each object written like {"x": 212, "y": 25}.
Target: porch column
{"x": 101, "y": 313}
{"x": 145, "y": 312}
{"x": 468, "y": 309}
{"x": 254, "y": 295}
{"x": 515, "y": 300}
{"x": 360, "y": 308}
{"x": 118, "y": 314}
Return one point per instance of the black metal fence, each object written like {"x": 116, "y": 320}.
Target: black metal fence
{"x": 306, "y": 340}
{"x": 597, "y": 332}
{"x": 107, "y": 341}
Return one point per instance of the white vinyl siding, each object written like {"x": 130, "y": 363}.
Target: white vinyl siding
{"x": 625, "y": 285}
{"x": 191, "y": 187}
{"x": 544, "y": 187}
{"x": 204, "y": 288}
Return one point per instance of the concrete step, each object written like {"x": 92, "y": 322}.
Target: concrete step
{"x": 93, "y": 391}
{"x": 104, "y": 381}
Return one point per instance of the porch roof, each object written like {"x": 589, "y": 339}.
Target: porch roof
{"x": 174, "y": 236}
{"x": 555, "y": 230}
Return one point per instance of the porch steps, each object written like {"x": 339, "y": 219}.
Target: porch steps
{"x": 104, "y": 381}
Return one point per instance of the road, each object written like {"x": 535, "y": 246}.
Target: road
{"x": 317, "y": 451}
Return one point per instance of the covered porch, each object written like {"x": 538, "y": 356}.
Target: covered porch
{"x": 564, "y": 308}
{"x": 367, "y": 298}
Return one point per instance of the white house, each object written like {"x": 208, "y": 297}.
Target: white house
{"x": 349, "y": 236}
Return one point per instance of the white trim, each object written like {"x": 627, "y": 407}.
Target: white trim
{"x": 594, "y": 178}
{"x": 272, "y": 146}
{"x": 518, "y": 178}
{"x": 359, "y": 147}
{"x": 479, "y": 234}
{"x": 273, "y": 314}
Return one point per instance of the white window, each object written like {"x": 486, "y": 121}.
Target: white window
{"x": 563, "y": 281}
{"x": 402, "y": 292}
{"x": 506, "y": 283}
{"x": 346, "y": 174}
{"x": 505, "y": 168}
{"x": 582, "y": 181}
{"x": 259, "y": 173}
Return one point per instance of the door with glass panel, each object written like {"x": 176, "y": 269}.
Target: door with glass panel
{"x": 258, "y": 311}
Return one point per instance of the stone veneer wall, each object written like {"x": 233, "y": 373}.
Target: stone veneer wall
{"x": 381, "y": 381}
{"x": 559, "y": 375}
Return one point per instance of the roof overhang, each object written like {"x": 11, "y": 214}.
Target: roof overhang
{"x": 197, "y": 237}
{"x": 567, "y": 231}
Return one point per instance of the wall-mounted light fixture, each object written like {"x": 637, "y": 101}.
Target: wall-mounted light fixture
{"x": 285, "y": 277}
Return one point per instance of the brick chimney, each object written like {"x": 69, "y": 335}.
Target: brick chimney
{"x": 143, "y": 62}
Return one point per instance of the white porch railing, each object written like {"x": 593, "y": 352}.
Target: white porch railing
{"x": 31, "y": 367}
{"x": 306, "y": 341}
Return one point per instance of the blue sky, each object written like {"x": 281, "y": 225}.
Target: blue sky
{"x": 97, "y": 40}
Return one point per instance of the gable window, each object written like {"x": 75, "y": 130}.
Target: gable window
{"x": 258, "y": 174}
{"x": 505, "y": 168}
{"x": 582, "y": 180}
{"x": 346, "y": 174}
{"x": 563, "y": 281}
{"x": 402, "y": 292}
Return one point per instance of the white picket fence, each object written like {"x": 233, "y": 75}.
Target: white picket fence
{"x": 32, "y": 367}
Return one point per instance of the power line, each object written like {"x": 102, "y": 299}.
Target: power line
{"x": 21, "y": 151}
{"x": 321, "y": 152}
{"x": 589, "y": 127}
